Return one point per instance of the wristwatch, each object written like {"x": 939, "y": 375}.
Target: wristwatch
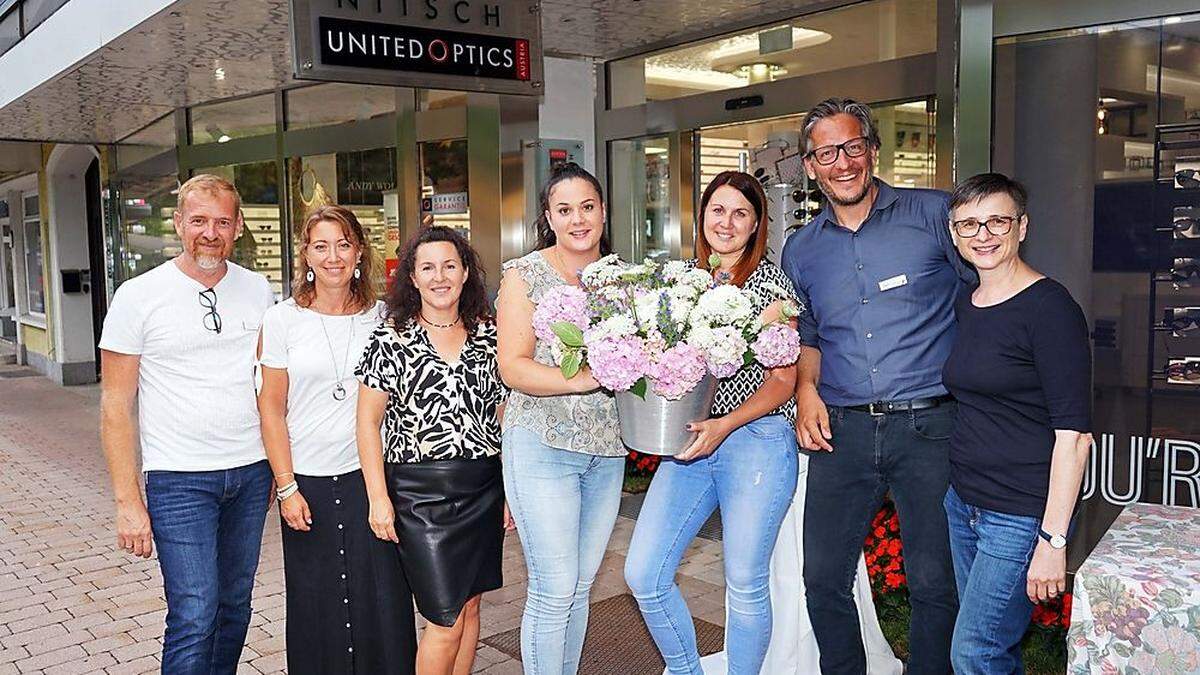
{"x": 1056, "y": 540}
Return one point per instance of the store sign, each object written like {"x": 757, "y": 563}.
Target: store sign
{"x": 469, "y": 45}
{"x": 445, "y": 204}
{"x": 1143, "y": 469}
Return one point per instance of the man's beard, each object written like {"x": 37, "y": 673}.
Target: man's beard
{"x": 208, "y": 262}
{"x": 827, "y": 189}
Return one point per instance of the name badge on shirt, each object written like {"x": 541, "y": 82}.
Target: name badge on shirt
{"x": 893, "y": 282}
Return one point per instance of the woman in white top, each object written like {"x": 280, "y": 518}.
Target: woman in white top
{"x": 348, "y": 604}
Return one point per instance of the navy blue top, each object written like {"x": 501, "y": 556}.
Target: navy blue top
{"x": 1020, "y": 369}
{"x": 881, "y": 300}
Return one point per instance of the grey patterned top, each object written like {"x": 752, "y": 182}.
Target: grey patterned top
{"x": 584, "y": 423}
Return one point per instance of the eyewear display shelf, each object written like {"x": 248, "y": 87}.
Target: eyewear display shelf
{"x": 1176, "y": 209}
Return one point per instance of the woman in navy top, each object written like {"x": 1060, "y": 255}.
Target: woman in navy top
{"x": 1020, "y": 368}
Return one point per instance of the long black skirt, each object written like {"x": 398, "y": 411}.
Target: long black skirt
{"x": 349, "y": 608}
{"x": 450, "y": 521}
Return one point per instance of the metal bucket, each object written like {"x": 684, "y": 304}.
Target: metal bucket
{"x": 658, "y": 426}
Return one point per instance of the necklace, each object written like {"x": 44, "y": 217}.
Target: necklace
{"x": 441, "y": 325}
{"x": 339, "y": 392}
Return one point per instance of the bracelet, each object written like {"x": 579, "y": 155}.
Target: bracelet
{"x": 287, "y": 491}
{"x": 285, "y": 473}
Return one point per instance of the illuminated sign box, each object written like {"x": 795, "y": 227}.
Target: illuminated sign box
{"x": 467, "y": 45}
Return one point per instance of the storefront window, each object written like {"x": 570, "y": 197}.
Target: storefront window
{"x": 336, "y": 103}
{"x": 444, "y": 183}
{"x": 144, "y": 183}
{"x": 363, "y": 181}
{"x": 640, "y": 173}
{"x": 10, "y": 29}
{"x": 37, "y": 11}
{"x": 240, "y": 118}
{"x": 260, "y": 248}
{"x": 1080, "y": 116}
{"x": 32, "y": 242}
{"x": 868, "y": 32}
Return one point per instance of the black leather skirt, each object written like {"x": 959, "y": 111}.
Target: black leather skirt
{"x": 450, "y": 521}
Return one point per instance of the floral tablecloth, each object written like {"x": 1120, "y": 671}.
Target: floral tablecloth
{"x": 1136, "y": 609}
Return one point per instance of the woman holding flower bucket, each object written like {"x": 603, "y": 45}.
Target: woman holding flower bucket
{"x": 744, "y": 457}
{"x": 563, "y": 458}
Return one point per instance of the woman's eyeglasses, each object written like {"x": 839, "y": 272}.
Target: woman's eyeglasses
{"x": 211, "y": 320}
{"x": 997, "y": 225}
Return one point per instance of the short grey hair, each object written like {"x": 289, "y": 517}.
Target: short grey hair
{"x": 841, "y": 106}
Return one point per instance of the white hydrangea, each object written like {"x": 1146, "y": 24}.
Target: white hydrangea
{"x": 673, "y": 270}
{"x": 682, "y": 300}
{"x": 603, "y": 272}
{"x": 722, "y": 306}
{"x": 721, "y": 345}
{"x": 620, "y": 325}
{"x": 696, "y": 278}
{"x": 645, "y": 304}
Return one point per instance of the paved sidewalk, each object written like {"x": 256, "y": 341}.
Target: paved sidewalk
{"x": 70, "y": 602}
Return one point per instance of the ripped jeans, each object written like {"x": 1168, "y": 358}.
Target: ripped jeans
{"x": 751, "y": 477}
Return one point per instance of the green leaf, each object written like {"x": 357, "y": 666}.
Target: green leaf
{"x": 570, "y": 334}
{"x": 748, "y": 357}
{"x": 1121, "y": 649}
{"x": 1171, "y": 598}
{"x": 571, "y": 363}
{"x": 639, "y": 388}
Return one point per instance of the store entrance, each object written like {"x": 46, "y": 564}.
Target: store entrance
{"x": 656, "y": 181}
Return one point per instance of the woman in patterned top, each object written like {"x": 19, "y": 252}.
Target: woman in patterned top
{"x": 744, "y": 461}
{"x": 563, "y": 457}
{"x": 429, "y": 376}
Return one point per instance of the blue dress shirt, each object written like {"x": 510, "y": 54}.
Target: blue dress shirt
{"x": 881, "y": 300}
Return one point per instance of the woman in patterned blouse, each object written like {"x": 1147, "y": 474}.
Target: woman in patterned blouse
{"x": 563, "y": 457}
{"x": 744, "y": 461}
{"x": 429, "y": 376}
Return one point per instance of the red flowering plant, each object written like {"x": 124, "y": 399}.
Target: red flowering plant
{"x": 1045, "y": 640}
{"x": 641, "y": 464}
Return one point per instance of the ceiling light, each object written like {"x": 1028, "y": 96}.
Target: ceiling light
{"x": 746, "y": 44}
{"x": 223, "y": 139}
{"x": 219, "y": 73}
{"x": 1172, "y": 20}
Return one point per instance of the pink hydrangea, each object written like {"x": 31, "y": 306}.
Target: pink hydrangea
{"x": 561, "y": 303}
{"x": 724, "y": 370}
{"x": 678, "y": 371}
{"x": 777, "y": 345}
{"x": 617, "y": 363}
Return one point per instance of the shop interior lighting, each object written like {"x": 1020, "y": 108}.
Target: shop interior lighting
{"x": 219, "y": 73}
{"x": 1172, "y": 20}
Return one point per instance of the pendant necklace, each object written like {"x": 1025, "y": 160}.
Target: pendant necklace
{"x": 339, "y": 392}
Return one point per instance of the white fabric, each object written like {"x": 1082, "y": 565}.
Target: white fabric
{"x": 196, "y": 405}
{"x": 320, "y": 428}
{"x": 793, "y": 649}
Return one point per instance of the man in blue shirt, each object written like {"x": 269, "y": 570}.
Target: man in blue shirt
{"x": 879, "y": 273}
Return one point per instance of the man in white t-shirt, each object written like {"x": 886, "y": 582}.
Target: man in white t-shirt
{"x": 179, "y": 342}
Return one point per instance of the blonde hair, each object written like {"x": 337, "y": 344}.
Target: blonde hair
{"x": 210, "y": 184}
{"x": 362, "y": 289}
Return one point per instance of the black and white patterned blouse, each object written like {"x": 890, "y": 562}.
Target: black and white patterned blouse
{"x": 764, "y": 286}
{"x": 435, "y": 410}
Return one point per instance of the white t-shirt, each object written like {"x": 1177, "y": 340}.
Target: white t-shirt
{"x": 315, "y": 348}
{"x": 196, "y": 404}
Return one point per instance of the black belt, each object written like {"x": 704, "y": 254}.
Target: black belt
{"x": 885, "y": 407}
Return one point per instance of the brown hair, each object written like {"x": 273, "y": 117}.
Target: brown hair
{"x": 404, "y": 300}
{"x": 756, "y": 247}
{"x": 206, "y": 182}
{"x": 362, "y": 290}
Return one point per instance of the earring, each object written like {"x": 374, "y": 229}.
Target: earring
{"x": 357, "y": 273}
{"x": 309, "y": 276}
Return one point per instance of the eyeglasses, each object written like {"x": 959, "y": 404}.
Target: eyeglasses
{"x": 1187, "y": 178}
{"x": 828, "y": 154}
{"x": 1188, "y": 371}
{"x": 1185, "y": 269}
{"x": 997, "y": 225}
{"x": 1186, "y": 228}
{"x": 212, "y": 320}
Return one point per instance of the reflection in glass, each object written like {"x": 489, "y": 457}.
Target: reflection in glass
{"x": 363, "y": 181}
{"x": 640, "y": 199}
{"x": 444, "y": 183}
{"x": 863, "y": 33}
{"x": 142, "y": 188}
{"x": 336, "y": 103}
{"x": 260, "y": 248}
{"x": 35, "y": 293}
{"x": 240, "y": 118}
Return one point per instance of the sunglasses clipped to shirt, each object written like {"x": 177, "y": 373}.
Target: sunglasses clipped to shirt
{"x": 211, "y": 320}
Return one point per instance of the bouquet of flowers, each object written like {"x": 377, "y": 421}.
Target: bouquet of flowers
{"x": 662, "y": 326}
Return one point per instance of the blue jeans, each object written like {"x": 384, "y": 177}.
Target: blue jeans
{"x": 992, "y": 552}
{"x": 752, "y": 478}
{"x": 565, "y": 505}
{"x": 907, "y": 453}
{"x": 208, "y": 529}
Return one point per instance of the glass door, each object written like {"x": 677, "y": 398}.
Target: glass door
{"x": 651, "y": 196}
